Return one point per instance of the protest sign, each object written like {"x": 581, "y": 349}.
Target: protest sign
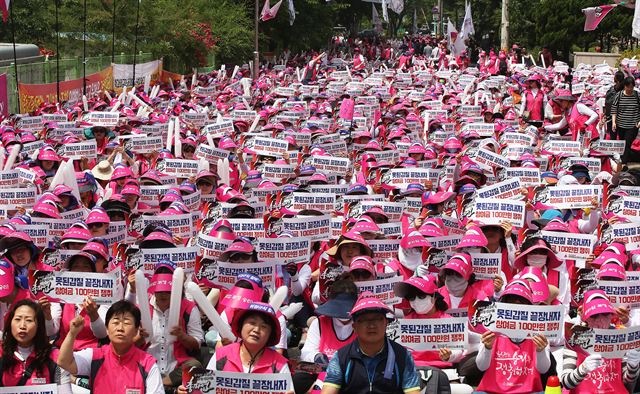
{"x": 329, "y": 189}
{"x": 605, "y": 342}
{"x": 521, "y": 322}
{"x": 73, "y": 287}
{"x": 78, "y": 150}
{"x": 315, "y": 227}
{"x": 626, "y": 293}
{"x": 268, "y": 146}
{"x": 57, "y": 227}
{"x": 382, "y": 289}
{"x": 610, "y": 147}
{"x": 384, "y": 249}
{"x": 35, "y": 389}
{"x": 336, "y": 165}
{"x": 19, "y": 196}
{"x": 488, "y": 159}
{"x": 39, "y": 233}
{"x": 508, "y": 189}
{"x": 117, "y": 232}
{"x": 569, "y": 196}
{"x": 431, "y": 334}
{"x": 403, "y": 177}
{"x": 226, "y": 274}
{"x": 393, "y": 210}
{"x": 180, "y": 168}
{"x": 625, "y": 233}
{"x": 211, "y": 247}
{"x": 496, "y": 211}
{"x": 483, "y": 129}
{"x": 447, "y": 242}
{"x": 151, "y": 194}
{"x": 106, "y": 119}
{"x": 123, "y": 73}
{"x": 201, "y": 381}
{"x": 284, "y": 250}
{"x": 180, "y": 225}
{"x": 252, "y": 228}
{"x": 486, "y": 265}
{"x": 221, "y": 128}
{"x": 299, "y": 201}
{"x": 9, "y": 178}
{"x": 145, "y": 144}
{"x": 146, "y": 259}
{"x": 197, "y": 119}
{"x": 569, "y": 245}
{"x": 277, "y": 172}
{"x": 527, "y": 176}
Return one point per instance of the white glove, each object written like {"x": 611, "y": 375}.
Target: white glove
{"x": 633, "y": 358}
{"x": 291, "y": 310}
{"x": 422, "y": 271}
{"x": 591, "y": 363}
{"x": 616, "y": 156}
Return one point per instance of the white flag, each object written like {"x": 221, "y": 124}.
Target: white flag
{"x": 385, "y": 12}
{"x": 635, "y": 32}
{"x": 292, "y": 13}
{"x": 396, "y": 6}
{"x": 375, "y": 19}
{"x": 467, "y": 25}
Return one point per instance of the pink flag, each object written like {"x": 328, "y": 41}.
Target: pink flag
{"x": 5, "y": 4}
{"x": 346, "y": 109}
{"x": 269, "y": 13}
{"x": 594, "y": 15}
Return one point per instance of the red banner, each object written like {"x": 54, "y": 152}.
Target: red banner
{"x": 4, "y": 100}
{"x": 165, "y": 76}
{"x": 32, "y": 96}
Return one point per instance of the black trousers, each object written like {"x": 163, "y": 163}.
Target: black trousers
{"x": 628, "y": 135}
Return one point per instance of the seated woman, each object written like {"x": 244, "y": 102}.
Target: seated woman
{"x": 258, "y": 329}
{"x": 27, "y": 357}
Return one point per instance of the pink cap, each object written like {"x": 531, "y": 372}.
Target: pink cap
{"x": 537, "y": 282}
{"x": 608, "y": 255}
{"x": 160, "y": 282}
{"x": 460, "y": 263}
{"x": 596, "y": 302}
{"x": 98, "y": 215}
{"x": 76, "y": 234}
{"x": 557, "y": 224}
{"x": 519, "y": 288}
{"x": 98, "y": 248}
{"x": 366, "y": 226}
{"x": 47, "y": 208}
{"x": 473, "y": 238}
{"x": 121, "y": 172}
{"x": 612, "y": 268}
{"x": 552, "y": 259}
{"x": 131, "y": 189}
{"x": 367, "y": 302}
{"x": 363, "y": 263}
{"x": 414, "y": 240}
{"x": 427, "y": 286}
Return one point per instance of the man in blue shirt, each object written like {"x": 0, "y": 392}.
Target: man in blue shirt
{"x": 372, "y": 363}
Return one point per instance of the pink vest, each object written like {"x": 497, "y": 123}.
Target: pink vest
{"x": 85, "y": 338}
{"x": 428, "y": 358}
{"x": 478, "y": 291}
{"x": 12, "y": 376}
{"x": 117, "y": 374}
{"x": 358, "y": 63}
{"x": 512, "y": 368}
{"x": 577, "y": 122}
{"x": 605, "y": 380}
{"x": 179, "y": 352}
{"x": 228, "y": 358}
{"x": 534, "y": 104}
{"x": 329, "y": 342}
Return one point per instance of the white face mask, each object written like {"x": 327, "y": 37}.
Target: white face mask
{"x": 342, "y": 323}
{"x": 410, "y": 258}
{"x": 456, "y": 285}
{"x": 536, "y": 260}
{"x": 422, "y": 305}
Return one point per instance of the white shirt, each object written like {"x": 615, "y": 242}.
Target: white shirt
{"x": 97, "y": 327}
{"x": 161, "y": 347}
{"x": 153, "y": 384}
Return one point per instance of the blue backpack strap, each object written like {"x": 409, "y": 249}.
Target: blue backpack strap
{"x": 391, "y": 361}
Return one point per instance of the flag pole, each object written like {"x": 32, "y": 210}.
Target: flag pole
{"x": 57, "y": 52}
{"x": 256, "y": 54}
{"x": 113, "y": 33}
{"x": 84, "y": 52}
{"x": 15, "y": 55}
{"x": 135, "y": 45}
